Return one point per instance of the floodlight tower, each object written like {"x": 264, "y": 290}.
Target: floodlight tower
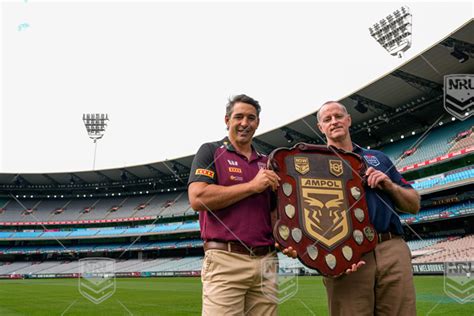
{"x": 394, "y": 32}
{"x": 95, "y": 124}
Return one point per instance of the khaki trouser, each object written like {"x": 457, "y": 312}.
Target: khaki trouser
{"x": 383, "y": 286}
{"x": 236, "y": 284}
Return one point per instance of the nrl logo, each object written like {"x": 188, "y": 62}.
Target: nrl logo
{"x": 458, "y": 282}
{"x": 97, "y": 279}
{"x": 278, "y": 284}
{"x": 459, "y": 95}
{"x": 302, "y": 165}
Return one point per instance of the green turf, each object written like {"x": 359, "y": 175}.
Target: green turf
{"x": 182, "y": 296}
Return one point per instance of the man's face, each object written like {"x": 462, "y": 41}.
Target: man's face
{"x": 242, "y": 123}
{"x": 334, "y": 122}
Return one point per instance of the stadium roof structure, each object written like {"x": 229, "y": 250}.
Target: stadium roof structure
{"x": 407, "y": 99}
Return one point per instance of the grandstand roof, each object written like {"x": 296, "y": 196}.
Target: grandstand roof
{"x": 407, "y": 99}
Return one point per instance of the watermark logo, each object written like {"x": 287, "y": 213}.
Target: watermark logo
{"x": 459, "y": 95}
{"x": 97, "y": 279}
{"x": 278, "y": 284}
{"x": 458, "y": 281}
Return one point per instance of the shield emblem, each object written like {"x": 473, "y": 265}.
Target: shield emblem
{"x": 328, "y": 206}
{"x": 277, "y": 283}
{"x": 97, "y": 279}
{"x": 459, "y": 95}
{"x": 335, "y": 167}
{"x": 324, "y": 216}
{"x": 302, "y": 165}
{"x": 458, "y": 282}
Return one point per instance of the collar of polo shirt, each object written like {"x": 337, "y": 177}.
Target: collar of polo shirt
{"x": 228, "y": 145}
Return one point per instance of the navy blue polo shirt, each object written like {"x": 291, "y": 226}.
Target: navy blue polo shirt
{"x": 382, "y": 211}
{"x": 247, "y": 220}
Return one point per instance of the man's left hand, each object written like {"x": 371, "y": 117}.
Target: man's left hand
{"x": 355, "y": 267}
{"x": 290, "y": 252}
{"x": 378, "y": 179}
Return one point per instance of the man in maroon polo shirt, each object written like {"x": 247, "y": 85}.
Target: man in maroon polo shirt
{"x": 232, "y": 189}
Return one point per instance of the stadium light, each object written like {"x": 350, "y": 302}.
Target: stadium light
{"x": 95, "y": 124}
{"x": 288, "y": 137}
{"x": 360, "y": 107}
{"x": 459, "y": 55}
{"x": 393, "y": 33}
{"x": 175, "y": 168}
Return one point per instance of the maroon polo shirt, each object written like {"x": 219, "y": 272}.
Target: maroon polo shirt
{"x": 248, "y": 220}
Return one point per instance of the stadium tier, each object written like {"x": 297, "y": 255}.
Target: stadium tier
{"x": 455, "y": 176}
{"x": 102, "y": 247}
{"x": 55, "y": 267}
{"x": 455, "y": 249}
{"x": 441, "y": 212}
{"x": 76, "y": 210}
{"x": 437, "y": 142}
{"x": 427, "y": 250}
{"x": 73, "y": 233}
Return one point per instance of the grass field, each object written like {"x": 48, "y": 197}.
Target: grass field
{"x": 182, "y": 296}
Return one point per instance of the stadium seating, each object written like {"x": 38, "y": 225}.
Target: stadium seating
{"x": 439, "y": 212}
{"x": 107, "y": 247}
{"x": 442, "y": 179}
{"x": 463, "y": 143}
{"x": 436, "y": 143}
{"x": 456, "y": 249}
{"x": 435, "y": 250}
{"x": 162, "y": 205}
{"x": 420, "y": 244}
{"x": 133, "y": 265}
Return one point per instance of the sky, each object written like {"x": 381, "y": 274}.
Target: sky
{"x": 163, "y": 71}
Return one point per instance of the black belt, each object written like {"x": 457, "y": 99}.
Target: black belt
{"x": 239, "y": 248}
{"x": 387, "y": 236}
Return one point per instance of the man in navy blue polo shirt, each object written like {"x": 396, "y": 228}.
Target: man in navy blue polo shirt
{"x": 384, "y": 286}
{"x": 232, "y": 189}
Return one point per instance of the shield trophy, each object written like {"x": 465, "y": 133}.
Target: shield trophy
{"x": 321, "y": 206}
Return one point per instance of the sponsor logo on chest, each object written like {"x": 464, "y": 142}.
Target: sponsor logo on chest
{"x": 235, "y": 170}
{"x": 236, "y": 178}
{"x": 232, "y": 162}
{"x": 372, "y": 160}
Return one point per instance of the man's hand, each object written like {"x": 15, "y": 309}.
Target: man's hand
{"x": 290, "y": 252}
{"x": 355, "y": 267}
{"x": 405, "y": 199}
{"x": 264, "y": 179}
{"x": 378, "y": 179}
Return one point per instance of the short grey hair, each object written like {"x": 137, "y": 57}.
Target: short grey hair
{"x": 318, "y": 114}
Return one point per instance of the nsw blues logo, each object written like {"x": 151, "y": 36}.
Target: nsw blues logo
{"x": 372, "y": 160}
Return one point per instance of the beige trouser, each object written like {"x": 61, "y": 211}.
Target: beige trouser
{"x": 383, "y": 286}
{"x": 236, "y": 284}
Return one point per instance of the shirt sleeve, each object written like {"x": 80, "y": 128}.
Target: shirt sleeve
{"x": 394, "y": 175}
{"x": 203, "y": 166}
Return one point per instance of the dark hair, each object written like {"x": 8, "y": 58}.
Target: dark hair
{"x": 244, "y": 99}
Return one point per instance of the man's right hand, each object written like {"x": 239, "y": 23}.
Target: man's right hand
{"x": 264, "y": 179}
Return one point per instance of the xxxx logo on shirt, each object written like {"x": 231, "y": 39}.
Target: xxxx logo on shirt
{"x": 205, "y": 172}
